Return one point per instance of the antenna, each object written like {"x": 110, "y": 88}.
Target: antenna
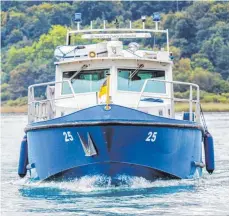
{"x": 116, "y": 23}
{"x": 143, "y": 21}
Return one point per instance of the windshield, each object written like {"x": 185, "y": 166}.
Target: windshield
{"x": 129, "y": 80}
{"x": 84, "y": 81}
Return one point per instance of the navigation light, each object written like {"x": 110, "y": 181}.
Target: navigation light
{"x": 143, "y": 18}
{"x": 156, "y": 17}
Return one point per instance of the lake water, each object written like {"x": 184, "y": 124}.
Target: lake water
{"x": 208, "y": 195}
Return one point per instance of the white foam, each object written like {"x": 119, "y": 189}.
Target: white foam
{"x": 100, "y": 182}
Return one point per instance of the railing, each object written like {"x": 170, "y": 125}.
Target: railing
{"x": 44, "y": 109}
{"x": 122, "y": 30}
{"x": 191, "y": 99}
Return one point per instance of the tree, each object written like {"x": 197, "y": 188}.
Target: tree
{"x": 201, "y": 61}
{"x": 20, "y": 78}
{"x": 210, "y": 82}
{"x": 185, "y": 28}
{"x": 15, "y": 36}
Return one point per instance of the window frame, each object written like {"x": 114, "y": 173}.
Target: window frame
{"x": 81, "y": 93}
{"x": 138, "y": 92}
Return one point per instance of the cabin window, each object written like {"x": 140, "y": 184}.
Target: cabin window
{"x": 84, "y": 81}
{"x": 132, "y": 80}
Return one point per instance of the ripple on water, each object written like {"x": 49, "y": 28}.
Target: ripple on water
{"x": 95, "y": 195}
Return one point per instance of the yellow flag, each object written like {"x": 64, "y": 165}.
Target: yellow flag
{"x": 103, "y": 89}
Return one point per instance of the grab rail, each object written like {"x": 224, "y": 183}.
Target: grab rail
{"x": 43, "y": 104}
{"x": 173, "y": 99}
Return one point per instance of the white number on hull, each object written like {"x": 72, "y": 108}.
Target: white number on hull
{"x": 152, "y": 136}
{"x": 68, "y": 136}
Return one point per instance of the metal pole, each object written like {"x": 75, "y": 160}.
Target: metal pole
{"x": 130, "y": 25}
{"x": 142, "y": 90}
{"x": 91, "y": 25}
{"x": 172, "y": 101}
{"x": 143, "y": 25}
{"x": 190, "y": 104}
{"x": 67, "y": 39}
{"x": 72, "y": 90}
{"x": 156, "y": 25}
{"x": 96, "y": 98}
{"x": 104, "y": 24}
{"x": 108, "y": 93}
{"x": 167, "y": 34}
{"x": 78, "y": 26}
{"x": 197, "y": 104}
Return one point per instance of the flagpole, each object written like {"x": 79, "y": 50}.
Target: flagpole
{"x": 108, "y": 93}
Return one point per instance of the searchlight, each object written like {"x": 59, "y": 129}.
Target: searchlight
{"x": 78, "y": 17}
{"x": 156, "y": 17}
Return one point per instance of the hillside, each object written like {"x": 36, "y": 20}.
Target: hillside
{"x": 199, "y": 36}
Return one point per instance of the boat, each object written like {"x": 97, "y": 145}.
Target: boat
{"x": 110, "y": 111}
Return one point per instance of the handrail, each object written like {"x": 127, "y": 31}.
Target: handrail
{"x": 172, "y": 98}
{"x": 31, "y": 99}
{"x": 51, "y": 83}
{"x": 41, "y": 101}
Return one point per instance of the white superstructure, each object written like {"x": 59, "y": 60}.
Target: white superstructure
{"x": 140, "y": 79}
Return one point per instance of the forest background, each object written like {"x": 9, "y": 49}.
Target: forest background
{"x": 199, "y": 39}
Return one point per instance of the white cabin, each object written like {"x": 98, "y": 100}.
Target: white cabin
{"x": 139, "y": 79}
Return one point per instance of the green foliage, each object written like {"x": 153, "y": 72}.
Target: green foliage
{"x": 200, "y": 60}
{"x": 5, "y": 94}
{"x": 4, "y": 77}
{"x": 18, "y": 102}
{"x": 48, "y": 42}
{"x": 198, "y": 39}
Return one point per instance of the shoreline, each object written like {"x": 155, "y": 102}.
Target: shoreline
{"x": 206, "y": 107}
{"x": 14, "y": 109}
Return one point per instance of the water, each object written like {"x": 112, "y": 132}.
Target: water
{"x": 95, "y": 196}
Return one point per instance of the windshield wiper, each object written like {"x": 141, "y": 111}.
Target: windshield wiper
{"x": 77, "y": 72}
{"x": 136, "y": 71}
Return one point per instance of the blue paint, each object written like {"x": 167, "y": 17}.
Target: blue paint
{"x": 121, "y": 149}
{"x": 117, "y": 113}
{"x": 23, "y": 160}
{"x": 186, "y": 116}
{"x": 155, "y": 100}
{"x": 209, "y": 152}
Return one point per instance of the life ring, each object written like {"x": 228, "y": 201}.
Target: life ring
{"x": 92, "y": 54}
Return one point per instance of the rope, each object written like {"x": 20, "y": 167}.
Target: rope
{"x": 203, "y": 119}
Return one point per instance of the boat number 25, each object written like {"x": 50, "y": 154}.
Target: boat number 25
{"x": 68, "y": 136}
{"x": 152, "y": 136}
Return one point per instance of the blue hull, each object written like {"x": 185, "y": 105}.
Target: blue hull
{"x": 152, "y": 147}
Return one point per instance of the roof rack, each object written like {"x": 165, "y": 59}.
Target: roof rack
{"x": 113, "y": 32}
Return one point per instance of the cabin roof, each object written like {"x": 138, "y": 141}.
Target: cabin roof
{"x": 77, "y": 60}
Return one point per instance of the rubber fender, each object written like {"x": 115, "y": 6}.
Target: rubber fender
{"x": 23, "y": 159}
{"x": 209, "y": 152}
